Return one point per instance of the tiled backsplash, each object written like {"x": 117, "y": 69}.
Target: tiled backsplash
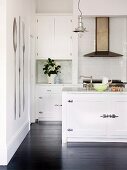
{"x": 65, "y": 75}
{"x": 100, "y": 67}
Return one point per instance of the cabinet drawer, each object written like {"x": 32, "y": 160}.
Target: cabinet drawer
{"x": 40, "y": 91}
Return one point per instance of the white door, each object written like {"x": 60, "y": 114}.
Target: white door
{"x": 63, "y": 37}
{"x": 85, "y": 118}
{"x": 117, "y": 124}
{"x": 45, "y": 37}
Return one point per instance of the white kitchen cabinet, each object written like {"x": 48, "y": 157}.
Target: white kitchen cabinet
{"x": 54, "y": 37}
{"x": 48, "y": 103}
{"x": 94, "y": 117}
{"x": 63, "y": 37}
{"x": 45, "y": 36}
{"x": 117, "y": 127}
{"x": 84, "y": 118}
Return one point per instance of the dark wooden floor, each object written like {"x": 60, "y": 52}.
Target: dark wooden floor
{"x": 42, "y": 150}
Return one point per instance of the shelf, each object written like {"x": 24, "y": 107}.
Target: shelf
{"x": 65, "y": 75}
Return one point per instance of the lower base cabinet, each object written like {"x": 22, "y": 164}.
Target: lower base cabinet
{"x": 49, "y": 103}
{"x": 94, "y": 118}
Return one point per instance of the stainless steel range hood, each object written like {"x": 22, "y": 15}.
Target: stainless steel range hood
{"x": 102, "y": 39}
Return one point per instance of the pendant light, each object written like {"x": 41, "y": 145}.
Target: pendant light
{"x": 80, "y": 27}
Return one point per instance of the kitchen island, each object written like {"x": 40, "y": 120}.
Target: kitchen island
{"x": 91, "y": 116}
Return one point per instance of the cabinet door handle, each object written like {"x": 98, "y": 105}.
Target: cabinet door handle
{"x": 49, "y": 90}
{"x": 57, "y": 105}
{"x": 70, "y": 101}
{"x": 40, "y": 97}
{"x": 109, "y": 116}
{"x": 70, "y": 130}
{"x": 114, "y": 116}
{"x": 40, "y": 112}
{"x": 104, "y": 116}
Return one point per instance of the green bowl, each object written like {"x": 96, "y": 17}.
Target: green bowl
{"x": 100, "y": 87}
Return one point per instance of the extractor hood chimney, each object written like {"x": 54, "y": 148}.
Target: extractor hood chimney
{"x": 102, "y": 39}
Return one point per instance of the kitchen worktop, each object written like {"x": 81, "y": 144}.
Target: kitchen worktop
{"x": 83, "y": 90}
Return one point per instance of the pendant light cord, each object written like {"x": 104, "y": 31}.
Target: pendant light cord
{"x": 79, "y": 7}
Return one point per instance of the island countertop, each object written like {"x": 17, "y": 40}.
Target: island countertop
{"x": 83, "y": 90}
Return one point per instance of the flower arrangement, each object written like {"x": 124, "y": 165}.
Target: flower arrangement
{"x": 51, "y": 67}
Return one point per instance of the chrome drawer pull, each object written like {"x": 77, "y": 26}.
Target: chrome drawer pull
{"x": 114, "y": 116}
{"x": 109, "y": 116}
{"x": 70, "y": 130}
{"x": 104, "y": 116}
{"x": 70, "y": 101}
{"x": 58, "y": 105}
{"x": 40, "y": 112}
{"x": 40, "y": 97}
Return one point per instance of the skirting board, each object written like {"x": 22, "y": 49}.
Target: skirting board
{"x": 3, "y": 155}
{"x": 17, "y": 140}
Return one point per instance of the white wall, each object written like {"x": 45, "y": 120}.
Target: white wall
{"x": 3, "y": 150}
{"x": 54, "y": 6}
{"x": 14, "y": 131}
{"x": 32, "y": 61}
{"x": 114, "y": 68}
{"x": 102, "y": 7}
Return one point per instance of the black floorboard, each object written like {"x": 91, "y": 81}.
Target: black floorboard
{"x": 42, "y": 150}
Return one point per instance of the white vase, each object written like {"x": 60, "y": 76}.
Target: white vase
{"x": 51, "y": 78}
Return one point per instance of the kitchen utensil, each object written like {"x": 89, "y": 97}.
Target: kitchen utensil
{"x": 15, "y": 49}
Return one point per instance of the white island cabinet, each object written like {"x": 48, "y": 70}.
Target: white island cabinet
{"x": 94, "y": 117}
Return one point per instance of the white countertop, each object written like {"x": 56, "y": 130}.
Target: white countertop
{"x": 82, "y": 90}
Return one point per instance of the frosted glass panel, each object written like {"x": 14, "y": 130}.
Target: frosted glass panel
{"x": 65, "y": 74}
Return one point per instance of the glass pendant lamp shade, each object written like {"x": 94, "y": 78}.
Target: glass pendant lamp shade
{"x": 80, "y": 27}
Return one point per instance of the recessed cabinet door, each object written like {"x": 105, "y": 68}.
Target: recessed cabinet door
{"x": 85, "y": 118}
{"x": 63, "y": 37}
{"x": 45, "y": 37}
{"x": 49, "y": 107}
{"x": 117, "y": 124}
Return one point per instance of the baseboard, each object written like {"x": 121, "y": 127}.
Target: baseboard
{"x": 16, "y": 140}
{"x": 3, "y": 155}
{"x": 49, "y": 119}
{"x": 50, "y": 122}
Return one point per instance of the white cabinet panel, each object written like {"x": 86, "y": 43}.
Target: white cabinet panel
{"x": 49, "y": 103}
{"x": 45, "y": 36}
{"x": 54, "y": 37}
{"x": 49, "y": 106}
{"x": 117, "y": 127}
{"x": 40, "y": 90}
{"x": 84, "y": 118}
{"x": 94, "y": 117}
{"x": 63, "y": 37}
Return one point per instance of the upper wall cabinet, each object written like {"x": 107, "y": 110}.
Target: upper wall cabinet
{"x": 45, "y": 36}
{"x": 54, "y": 37}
